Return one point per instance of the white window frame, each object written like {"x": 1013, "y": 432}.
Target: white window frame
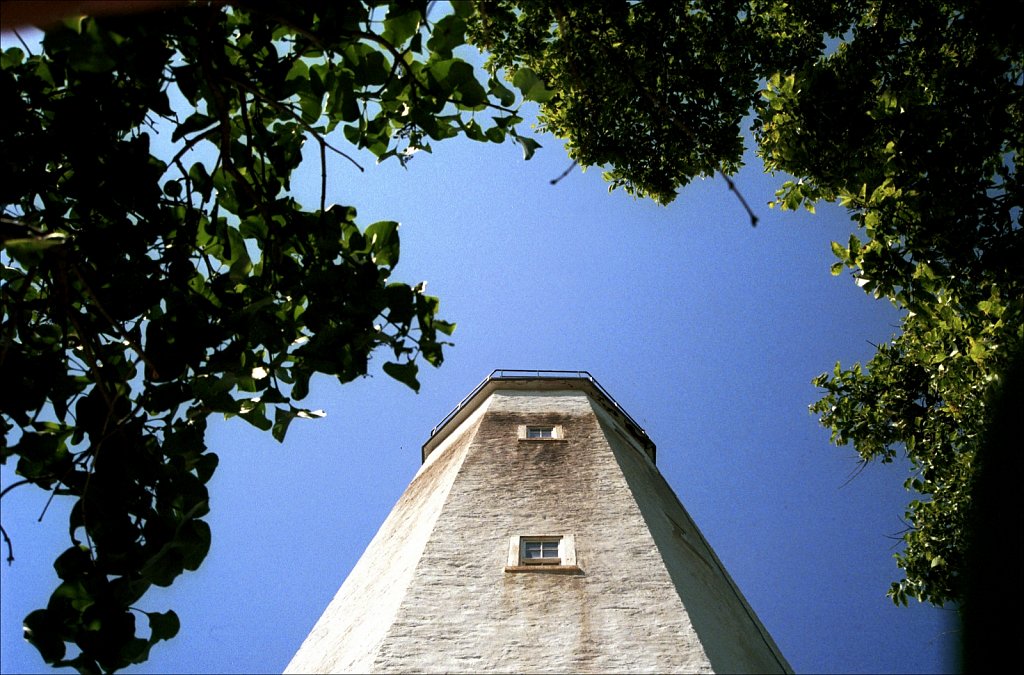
{"x": 565, "y": 562}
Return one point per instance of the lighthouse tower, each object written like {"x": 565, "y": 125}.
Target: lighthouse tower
{"x": 538, "y": 536}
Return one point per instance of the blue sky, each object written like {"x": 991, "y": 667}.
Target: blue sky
{"x": 706, "y": 330}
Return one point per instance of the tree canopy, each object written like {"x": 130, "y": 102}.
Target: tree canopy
{"x": 910, "y": 116}
{"x": 148, "y": 284}
{"x": 144, "y": 291}
{"x": 916, "y": 125}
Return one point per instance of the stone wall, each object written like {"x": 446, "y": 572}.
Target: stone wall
{"x": 348, "y": 635}
{"x": 431, "y": 593}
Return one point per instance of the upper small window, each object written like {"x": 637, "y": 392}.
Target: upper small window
{"x": 540, "y": 432}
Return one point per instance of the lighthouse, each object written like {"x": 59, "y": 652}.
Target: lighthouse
{"x": 538, "y": 536}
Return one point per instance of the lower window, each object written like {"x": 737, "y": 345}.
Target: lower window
{"x": 539, "y": 551}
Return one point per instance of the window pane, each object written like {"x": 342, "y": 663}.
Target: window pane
{"x": 540, "y": 432}
{"x": 540, "y": 550}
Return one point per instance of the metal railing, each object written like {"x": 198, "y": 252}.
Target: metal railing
{"x": 515, "y": 374}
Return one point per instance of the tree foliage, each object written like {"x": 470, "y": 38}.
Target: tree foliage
{"x": 654, "y": 92}
{"x": 916, "y": 124}
{"x": 156, "y": 269}
{"x": 909, "y": 114}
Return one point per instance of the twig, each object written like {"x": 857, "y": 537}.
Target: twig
{"x": 46, "y": 507}
{"x": 189, "y": 144}
{"x": 22, "y": 41}
{"x": 323, "y": 177}
{"x": 861, "y": 466}
{"x": 243, "y": 114}
{"x": 116, "y": 325}
{"x": 17, "y": 483}
{"x": 739, "y": 196}
{"x": 554, "y": 181}
{"x": 10, "y": 546}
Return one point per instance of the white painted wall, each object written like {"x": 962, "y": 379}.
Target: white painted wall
{"x": 431, "y": 592}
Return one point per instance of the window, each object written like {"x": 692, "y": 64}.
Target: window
{"x": 541, "y": 432}
{"x": 542, "y": 553}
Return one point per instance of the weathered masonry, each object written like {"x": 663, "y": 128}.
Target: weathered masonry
{"x": 538, "y": 536}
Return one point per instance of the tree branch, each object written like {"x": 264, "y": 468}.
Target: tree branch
{"x": 554, "y": 181}
{"x": 10, "y": 546}
{"x": 17, "y": 483}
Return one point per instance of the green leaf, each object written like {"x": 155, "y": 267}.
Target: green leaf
{"x": 164, "y": 567}
{"x": 531, "y": 86}
{"x": 449, "y": 32}
{"x": 400, "y": 25}
{"x": 195, "y": 122}
{"x": 504, "y": 95}
{"x": 471, "y": 94}
{"x": 43, "y": 632}
{"x": 90, "y": 53}
{"x": 282, "y": 419}
{"x": 172, "y": 189}
{"x": 75, "y": 593}
{"x": 404, "y": 373}
{"x": 310, "y": 103}
{"x": 528, "y": 144}
{"x": 342, "y": 101}
{"x": 73, "y": 563}
{"x": 198, "y": 538}
{"x": 495, "y": 134}
{"x": 255, "y": 413}
{"x": 22, "y": 247}
{"x": 163, "y": 626}
{"x": 382, "y": 238}
{"x": 11, "y": 57}
{"x": 854, "y": 247}
{"x": 206, "y": 465}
